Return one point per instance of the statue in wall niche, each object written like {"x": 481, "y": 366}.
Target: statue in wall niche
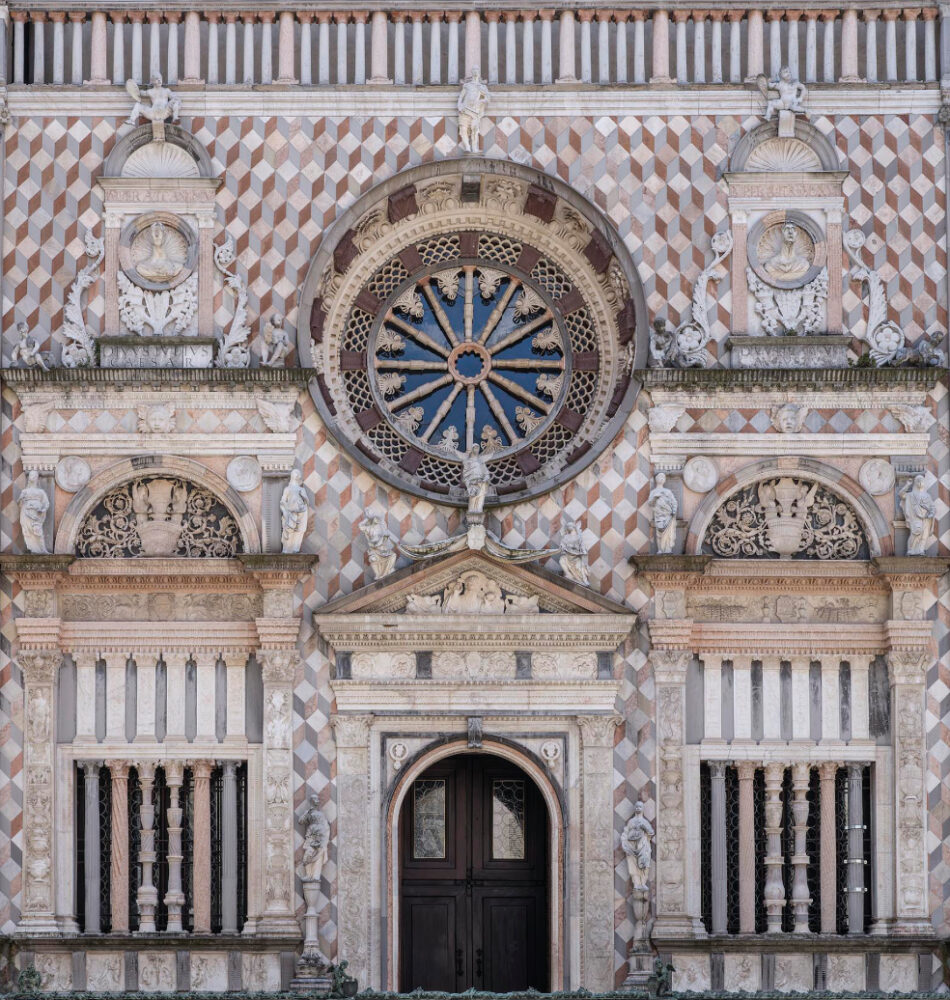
{"x": 636, "y": 841}
{"x": 477, "y": 479}
{"x": 34, "y": 506}
{"x": 162, "y": 258}
{"x": 665, "y": 506}
{"x": 790, "y": 260}
{"x": 782, "y": 93}
{"x": 919, "y": 512}
{"x": 294, "y": 513}
{"x": 472, "y": 105}
{"x": 573, "y": 557}
{"x": 381, "y": 546}
{"x": 26, "y": 353}
{"x": 155, "y": 103}
{"x": 316, "y": 840}
{"x": 276, "y": 342}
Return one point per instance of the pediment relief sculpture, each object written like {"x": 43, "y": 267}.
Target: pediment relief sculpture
{"x": 785, "y": 518}
{"x": 158, "y": 516}
{"x": 472, "y": 593}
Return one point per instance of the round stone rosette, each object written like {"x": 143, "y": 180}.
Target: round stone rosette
{"x": 483, "y": 310}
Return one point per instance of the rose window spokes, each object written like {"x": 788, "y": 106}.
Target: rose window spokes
{"x": 470, "y": 355}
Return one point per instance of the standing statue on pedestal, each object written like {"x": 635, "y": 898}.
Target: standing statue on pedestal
{"x": 477, "y": 479}
{"x": 34, "y": 506}
{"x": 665, "y": 507}
{"x": 472, "y": 105}
{"x": 313, "y": 967}
{"x": 294, "y": 513}
{"x": 155, "y": 103}
{"x": 573, "y": 556}
{"x": 919, "y": 513}
{"x": 636, "y": 841}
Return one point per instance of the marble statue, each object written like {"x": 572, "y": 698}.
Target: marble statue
{"x": 787, "y": 262}
{"x": 381, "y": 552}
{"x": 636, "y": 841}
{"x": 156, "y": 103}
{"x": 276, "y": 342}
{"x": 27, "y": 353}
{"x": 665, "y": 507}
{"x": 919, "y": 512}
{"x": 34, "y": 506}
{"x": 164, "y": 261}
{"x": 477, "y": 479}
{"x": 316, "y": 839}
{"x": 472, "y": 105}
{"x": 783, "y": 93}
{"x": 294, "y": 513}
{"x": 573, "y": 556}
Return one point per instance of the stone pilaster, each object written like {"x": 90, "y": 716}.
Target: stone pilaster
{"x": 39, "y": 675}
{"x": 907, "y": 673}
{"x": 597, "y": 850}
{"x": 352, "y": 734}
{"x": 673, "y": 916}
{"x": 279, "y": 667}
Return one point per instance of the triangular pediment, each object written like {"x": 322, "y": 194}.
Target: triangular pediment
{"x": 472, "y": 583}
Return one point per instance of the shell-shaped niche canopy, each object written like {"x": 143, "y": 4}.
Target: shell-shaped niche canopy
{"x": 160, "y": 160}
{"x": 142, "y": 156}
{"x": 762, "y": 150}
{"x": 783, "y": 155}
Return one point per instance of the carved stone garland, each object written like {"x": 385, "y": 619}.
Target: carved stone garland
{"x": 158, "y": 516}
{"x": 788, "y": 518}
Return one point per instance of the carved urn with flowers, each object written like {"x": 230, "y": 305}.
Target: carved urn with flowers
{"x": 785, "y": 504}
{"x": 159, "y": 506}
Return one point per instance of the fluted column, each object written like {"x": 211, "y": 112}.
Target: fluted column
{"x": 775, "y": 41}
{"x": 735, "y": 44}
{"x": 639, "y": 46}
{"x": 929, "y": 15}
{"x": 435, "y": 47}
{"x": 119, "y": 861}
{"x": 323, "y": 48}
{"x": 341, "y": 64}
{"x": 38, "y": 20}
{"x": 154, "y": 43}
{"x": 230, "y": 47}
{"x": 174, "y": 897}
{"x": 229, "y": 848}
{"x": 452, "y": 58}
{"x": 890, "y": 16}
{"x": 359, "y": 46}
{"x": 201, "y": 845}
{"x": 716, "y": 17}
{"x": 136, "y": 19}
{"x": 279, "y": 667}
{"x": 527, "y": 46}
{"x": 717, "y": 826}
{"x": 92, "y": 846}
{"x": 147, "y": 896}
{"x": 661, "y": 47}
{"x": 800, "y": 897}
{"x": 829, "y": 852}
{"x": 855, "y": 849}
{"x": 746, "y": 773}
{"x": 418, "y": 53}
{"x": 587, "y": 41}
{"x": 37, "y": 904}
{"x": 511, "y": 47}
{"x": 247, "y": 19}
{"x": 699, "y": 46}
{"x": 351, "y": 733}
{"x": 774, "y": 886}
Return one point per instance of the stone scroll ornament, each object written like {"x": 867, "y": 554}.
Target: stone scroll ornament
{"x": 885, "y": 339}
{"x": 233, "y": 349}
{"x": 685, "y": 347}
{"x": 79, "y": 350}
{"x": 785, "y": 518}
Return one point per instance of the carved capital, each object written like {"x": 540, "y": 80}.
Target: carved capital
{"x": 669, "y": 665}
{"x": 202, "y": 768}
{"x": 800, "y": 775}
{"x": 746, "y": 769}
{"x": 827, "y": 770}
{"x": 39, "y": 666}
{"x": 598, "y": 730}
{"x": 278, "y": 666}
{"x": 352, "y": 730}
{"x": 774, "y": 773}
{"x": 174, "y": 772}
{"x": 119, "y": 769}
{"x": 717, "y": 768}
{"x": 91, "y": 768}
{"x": 146, "y": 772}
{"x": 907, "y": 666}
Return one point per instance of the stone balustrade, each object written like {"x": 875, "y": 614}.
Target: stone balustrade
{"x": 430, "y": 44}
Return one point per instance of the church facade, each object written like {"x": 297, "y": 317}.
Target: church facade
{"x": 475, "y": 492}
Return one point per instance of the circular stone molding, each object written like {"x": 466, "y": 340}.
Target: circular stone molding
{"x": 480, "y": 309}
{"x": 786, "y": 249}
{"x": 700, "y": 474}
{"x": 244, "y": 473}
{"x": 158, "y": 250}
{"x": 877, "y": 476}
{"x": 72, "y": 473}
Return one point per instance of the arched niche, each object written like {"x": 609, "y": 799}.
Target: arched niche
{"x": 763, "y": 150}
{"x": 140, "y": 157}
{"x": 128, "y": 471}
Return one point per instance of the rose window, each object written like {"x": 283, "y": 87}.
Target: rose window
{"x": 439, "y": 323}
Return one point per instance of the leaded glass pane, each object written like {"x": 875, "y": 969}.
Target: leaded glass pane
{"x": 428, "y": 827}
{"x": 507, "y": 820}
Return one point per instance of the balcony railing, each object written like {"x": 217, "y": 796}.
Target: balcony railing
{"x": 430, "y": 44}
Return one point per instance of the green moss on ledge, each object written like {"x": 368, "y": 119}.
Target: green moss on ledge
{"x": 744, "y": 379}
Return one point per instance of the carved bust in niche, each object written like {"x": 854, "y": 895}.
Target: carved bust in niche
{"x": 158, "y": 251}
{"x": 786, "y": 252}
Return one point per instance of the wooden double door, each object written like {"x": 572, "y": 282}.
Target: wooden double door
{"x": 473, "y": 879}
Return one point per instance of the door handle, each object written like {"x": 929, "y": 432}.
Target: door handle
{"x": 459, "y": 971}
{"x": 478, "y": 963}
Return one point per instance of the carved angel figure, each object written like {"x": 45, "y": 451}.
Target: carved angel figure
{"x": 636, "y": 843}
{"x": 381, "y": 546}
{"x": 573, "y": 556}
{"x": 477, "y": 479}
{"x": 27, "y": 350}
{"x": 665, "y": 506}
{"x": 155, "y": 103}
{"x": 919, "y": 512}
{"x": 782, "y": 93}
{"x": 34, "y": 506}
{"x": 316, "y": 840}
{"x": 472, "y": 105}
{"x": 294, "y": 513}
{"x": 276, "y": 342}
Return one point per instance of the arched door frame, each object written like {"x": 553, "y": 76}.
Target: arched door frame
{"x": 556, "y": 844}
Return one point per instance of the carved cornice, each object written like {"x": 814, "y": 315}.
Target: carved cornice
{"x": 911, "y": 572}
{"x": 671, "y": 634}
{"x": 27, "y": 566}
{"x": 277, "y": 633}
{"x": 227, "y": 379}
{"x": 266, "y": 565}
{"x": 653, "y": 567}
{"x": 38, "y": 633}
{"x": 168, "y": 636}
{"x": 742, "y": 380}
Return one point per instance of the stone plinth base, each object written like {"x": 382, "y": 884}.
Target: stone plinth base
{"x": 156, "y": 352}
{"x": 790, "y": 352}
{"x": 303, "y": 983}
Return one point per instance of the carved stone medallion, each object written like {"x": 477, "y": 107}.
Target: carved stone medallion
{"x": 244, "y": 473}
{"x": 877, "y": 476}
{"x": 700, "y": 474}
{"x": 72, "y": 473}
{"x": 158, "y": 251}
{"x": 786, "y": 249}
